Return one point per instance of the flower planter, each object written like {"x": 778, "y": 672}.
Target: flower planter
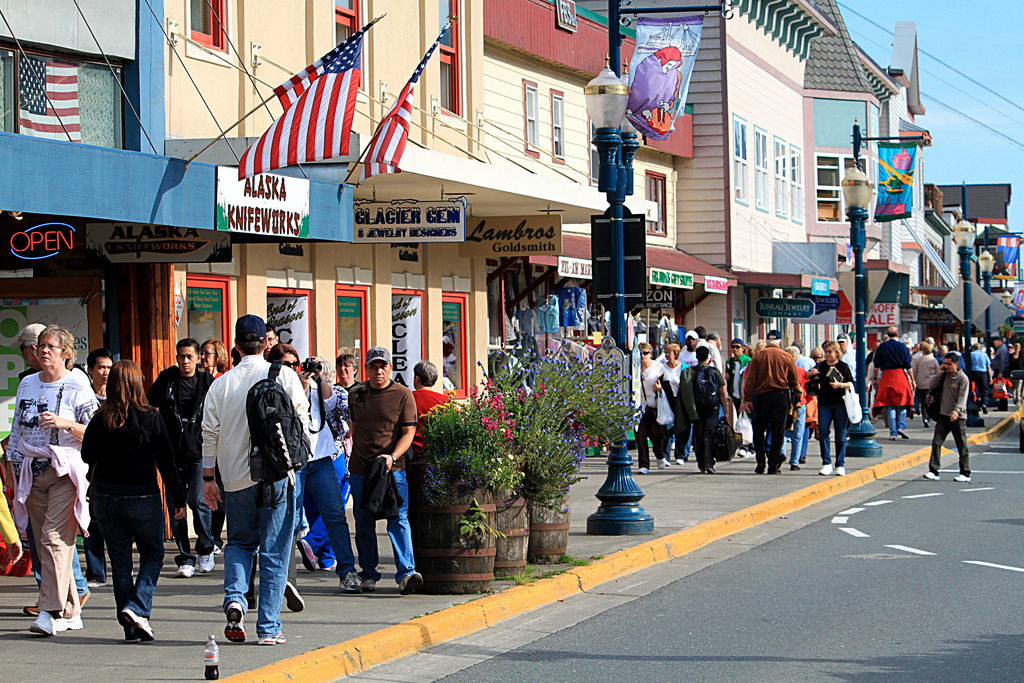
{"x": 549, "y": 530}
{"x": 450, "y": 562}
{"x": 512, "y": 520}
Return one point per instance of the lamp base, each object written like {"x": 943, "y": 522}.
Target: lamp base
{"x": 620, "y": 512}
{"x": 861, "y": 443}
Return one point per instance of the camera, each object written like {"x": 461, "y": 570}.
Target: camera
{"x": 312, "y": 366}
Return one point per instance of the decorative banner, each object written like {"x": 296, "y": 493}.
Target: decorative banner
{"x": 659, "y": 73}
{"x": 494, "y": 236}
{"x": 179, "y": 304}
{"x": 844, "y": 314}
{"x": 262, "y": 205}
{"x": 408, "y": 220}
{"x": 141, "y": 243}
{"x": 895, "y": 181}
{"x": 883, "y": 315}
{"x": 670, "y": 278}
{"x": 716, "y": 285}
{"x": 820, "y": 287}
{"x": 406, "y": 336}
{"x": 1007, "y": 256}
{"x": 289, "y": 316}
{"x": 579, "y": 268}
{"x": 14, "y": 315}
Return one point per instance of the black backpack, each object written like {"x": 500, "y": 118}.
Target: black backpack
{"x": 277, "y": 442}
{"x": 705, "y": 387}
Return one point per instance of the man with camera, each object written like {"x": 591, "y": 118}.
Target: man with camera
{"x": 319, "y": 475}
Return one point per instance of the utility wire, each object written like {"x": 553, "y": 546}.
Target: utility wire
{"x": 1004, "y": 136}
{"x": 43, "y": 88}
{"x": 116, "y": 78}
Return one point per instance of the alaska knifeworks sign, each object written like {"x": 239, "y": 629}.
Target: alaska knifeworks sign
{"x": 784, "y": 308}
{"x": 493, "y": 236}
{"x": 262, "y": 205}
{"x": 141, "y": 243}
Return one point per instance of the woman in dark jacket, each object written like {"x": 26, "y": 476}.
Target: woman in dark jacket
{"x": 834, "y": 378}
{"x": 124, "y": 445}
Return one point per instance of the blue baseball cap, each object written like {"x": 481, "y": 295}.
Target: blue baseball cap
{"x": 250, "y": 328}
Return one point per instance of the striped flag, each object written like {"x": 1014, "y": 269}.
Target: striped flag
{"x": 388, "y": 144}
{"x": 318, "y": 124}
{"x": 49, "y": 98}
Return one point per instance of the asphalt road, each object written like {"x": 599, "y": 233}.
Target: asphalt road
{"x": 922, "y": 583}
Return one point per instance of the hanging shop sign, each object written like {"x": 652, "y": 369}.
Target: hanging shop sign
{"x": 406, "y": 335}
{"x": 264, "y": 204}
{"x": 288, "y": 314}
{"x": 820, "y": 287}
{"x": 141, "y": 243}
{"x": 670, "y": 278}
{"x": 934, "y": 316}
{"x": 565, "y": 15}
{"x": 824, "y": 308}
{"x": 579, "y": 268}
{"x": 716, "y": 285}
{"x": 408, "y": 220}
{"x": 908, "y": 315}
{"x": 883, "y": 315}
{"x": 509, "y": 236}
{"x": 42, "y": 241}
{"x": 784, "y": 308}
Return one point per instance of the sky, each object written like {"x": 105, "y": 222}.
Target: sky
{"x": 978, "y": 41}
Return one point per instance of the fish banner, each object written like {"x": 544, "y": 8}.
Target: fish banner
{"x": 895, "y": 181}
{"x": 1007, "y": 254}
{"x": 659, "y": 73}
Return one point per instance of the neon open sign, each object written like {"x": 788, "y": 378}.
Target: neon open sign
{"x": 43, "y": 241}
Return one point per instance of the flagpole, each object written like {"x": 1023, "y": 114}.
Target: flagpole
{"x": 230, "y": 128}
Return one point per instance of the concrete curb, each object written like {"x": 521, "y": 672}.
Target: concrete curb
{"x": 394, "y": 642}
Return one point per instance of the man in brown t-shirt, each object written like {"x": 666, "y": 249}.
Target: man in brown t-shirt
{"x": 383, "y": 426}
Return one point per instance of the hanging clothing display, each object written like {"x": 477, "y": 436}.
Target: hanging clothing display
{"x": 548, "y": 316}
{"x": 573, "y": 303}
{"x": 527, "y": 319}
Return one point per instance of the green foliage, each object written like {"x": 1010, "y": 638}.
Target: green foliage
{"x": 566, "y": 558}
{"x": 474, "y": 522}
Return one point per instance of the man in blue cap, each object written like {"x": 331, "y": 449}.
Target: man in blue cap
{"x": 261, "y": 517}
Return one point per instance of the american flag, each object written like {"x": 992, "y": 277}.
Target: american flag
{"x": 1008, "y": 248}
{"x": 319, "y": 123}
{"x": 49, "y": 97}
{"x": 388, "y": 143}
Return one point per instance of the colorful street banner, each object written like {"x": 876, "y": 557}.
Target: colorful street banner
{"x": 895, "y": 181}
{"x": 659, "y": 73}
{"x": 1007, "y": 255}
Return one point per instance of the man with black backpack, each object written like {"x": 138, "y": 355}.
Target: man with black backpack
{"x": 254, "y": 429}
{"x": 709, "y": 395}
{"x": 180, "y": 394}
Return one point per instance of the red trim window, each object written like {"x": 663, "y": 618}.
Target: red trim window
{"x": 558, "y": 125}
{"x": 455, "y": 371}
{"x": 531, "y": 118}
{"x": 208, "y": 309}
{"x": 351, "y": 311}
{"x": 291, "y": 311}
{"x": 656, "y": 193}
{"x": 449, "y": 57}
{"x": 208, "y": 18}
{"x": 346, "y": 19}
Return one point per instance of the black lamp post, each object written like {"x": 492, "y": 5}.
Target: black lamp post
{"x": 964, "y": 235}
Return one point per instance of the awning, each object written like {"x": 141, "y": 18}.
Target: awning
{"x": 941, "y": 266}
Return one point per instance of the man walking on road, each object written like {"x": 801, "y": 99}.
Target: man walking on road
{"x": 770, "y": 377}
{"x": 260, "y": 516}
{"x": 952, "y": 418}
{"x": 895, "y": 389}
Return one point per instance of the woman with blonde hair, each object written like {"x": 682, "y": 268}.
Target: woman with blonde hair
{"x": 124, "y": 446}
{"x": 650, "y": 384}
{"x": 214, "y": 358}
{"x": 52, "y": 409}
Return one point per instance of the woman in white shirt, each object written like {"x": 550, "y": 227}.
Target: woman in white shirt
{"x": 670, "y": 385}
{"x": 650, "y": 384}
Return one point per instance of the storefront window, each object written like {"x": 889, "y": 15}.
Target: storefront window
{"x": 288, "y": 313}
{"x": 453, "y": 317}
{"x": 7, "y": 91}
{"x": 351, "y": 313}
{"x": 206, "y": 303}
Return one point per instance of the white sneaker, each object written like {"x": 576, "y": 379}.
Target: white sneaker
{"x": 643, "y": 470}
{"x": 44, "y": 624}
{"x": 962, "y": 478}
{"x": 931, "y": 475}
{"x": 140, "y": 623}
{"x": 185, "y": 571}
{"x": 205, "y": 565}
{"x": 72, "y": 624}
{"x": 661, "y": 464}
{"x": 668, "y": 462}
{"x": 840, "y": 471}
{"x": 825, "y": 471}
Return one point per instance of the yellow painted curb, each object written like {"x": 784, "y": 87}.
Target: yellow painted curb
{"x": 394, "y": 642}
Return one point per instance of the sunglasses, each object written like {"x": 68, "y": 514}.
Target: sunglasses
{"x": 645, "y": 353}
{"x": 293, "y": 365}
{"x": 736, "y": 346}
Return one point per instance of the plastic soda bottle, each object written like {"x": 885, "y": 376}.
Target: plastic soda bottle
{"x": 211, "y": 657}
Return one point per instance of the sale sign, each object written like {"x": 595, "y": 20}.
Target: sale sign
{"x": 883, "y": 315}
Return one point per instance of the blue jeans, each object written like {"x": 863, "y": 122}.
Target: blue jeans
{"x": 318, "y": 538}
{"x": 827, "y": 416}
{"x": 796, "y": 436}
{"x": 893, "y": 413}
{"x": 398, "y": 531}
{"x": 124, "y": 520}
{"x": 202, "y": 517}
{"x": 806, "y": 439}
{"x": 319, "y": 478}
{"x": 95, "y": 557}
{"x": 80, "y": 583}
{"x": 260, "y": 519}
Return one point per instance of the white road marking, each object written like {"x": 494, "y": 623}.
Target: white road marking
{"x": 1006, "y": 446}
{"x": 923, "y": 495}
{"x": 852, "y": 511}
{"x": 854, "y": 532}
{"x": 839, "y": 520}
{"x": 995, "y": 566}
{"x": 985, "y": 488}
{"x": 909, "y": 550}
{"x": 973, "y": 472}
{"x": 632, "y": 585}
{"x": 878, "y": 502}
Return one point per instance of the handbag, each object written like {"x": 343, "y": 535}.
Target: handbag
{"x": 852, "y": 402}
{"x": 933, "y": 402}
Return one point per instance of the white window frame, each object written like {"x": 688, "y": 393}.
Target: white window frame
{"x": 558, "y": 126}
{"x": 532, "y": 113}
{"x": 761, "y": 169}
{"x": 781, "y": 156}
{"x": 796, "y": 181}
{"x": 739, "y": 161}
{"x": 845, "y": 163}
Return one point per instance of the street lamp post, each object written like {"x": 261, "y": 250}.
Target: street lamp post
{"x": 857, "y": 192}
{"x": 964, "y": 236}
{"x": 986, "y": 264}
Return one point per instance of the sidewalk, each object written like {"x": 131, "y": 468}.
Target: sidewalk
{"x": 187, "y": 611}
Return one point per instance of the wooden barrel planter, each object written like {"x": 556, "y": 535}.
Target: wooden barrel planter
{"x": 450, "y": 562}
{"x": 549, "y": 530}
{"x": 512, "y": 520}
